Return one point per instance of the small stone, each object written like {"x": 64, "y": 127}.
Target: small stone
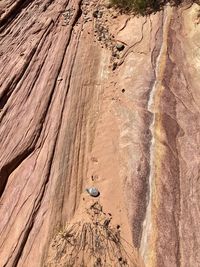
{"x": 120, "y": 46}
{"x": 93, "y": 191}
{"x": 123, "y": 90}
{"x": 59, "y": 79}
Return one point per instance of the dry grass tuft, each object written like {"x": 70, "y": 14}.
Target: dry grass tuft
{"x": 93, "y": 243}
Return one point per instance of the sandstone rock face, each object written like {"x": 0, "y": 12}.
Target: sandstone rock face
{"x": 76, "y": 112}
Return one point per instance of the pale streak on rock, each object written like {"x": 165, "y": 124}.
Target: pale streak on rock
{"x": 154, "y": 107}
{"x": 62, "y": 106}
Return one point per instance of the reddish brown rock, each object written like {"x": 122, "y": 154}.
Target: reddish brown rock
{"x": 69, "y": 121}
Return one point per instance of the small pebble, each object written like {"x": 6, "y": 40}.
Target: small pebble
{"x": 93, "y": 192}
{"x": 119, "y": 46}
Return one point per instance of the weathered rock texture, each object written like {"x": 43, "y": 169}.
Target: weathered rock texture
{"x": 66, "y": 124}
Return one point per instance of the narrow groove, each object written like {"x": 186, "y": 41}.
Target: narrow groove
{"x": 13, "y": 13}
{"x": 10, "y": 167}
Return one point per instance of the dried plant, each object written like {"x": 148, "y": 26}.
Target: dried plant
{"x": 93, "y": 243}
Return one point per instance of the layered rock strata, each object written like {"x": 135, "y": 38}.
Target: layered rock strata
{"x": 76, "y": 112}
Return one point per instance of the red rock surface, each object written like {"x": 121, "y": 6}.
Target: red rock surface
{"x": 66, "y": 123}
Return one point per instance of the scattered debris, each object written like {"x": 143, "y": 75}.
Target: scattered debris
{"x": 87, "y": 7}
{"x": 101, "y": 26}
{"x": 93, "y": 191}
{"x": 68, "y": 14}
{"x": 102, "y": 34}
